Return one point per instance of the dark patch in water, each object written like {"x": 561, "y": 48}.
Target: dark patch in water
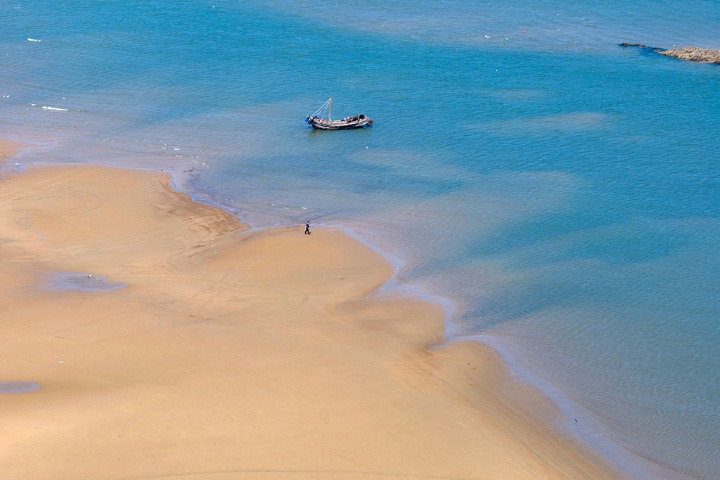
{"x": 645, "y": 49}
{"x": 83, "y": 282}
{"x": 18, "y": 387}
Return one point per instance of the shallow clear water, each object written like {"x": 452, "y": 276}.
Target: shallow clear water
{"x": 18, "y": 387}
{"x": 81, "y": 282}
{"x": 560, "y": 190}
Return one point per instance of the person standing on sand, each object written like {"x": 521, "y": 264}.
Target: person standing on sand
{"x": 307, "y": 228}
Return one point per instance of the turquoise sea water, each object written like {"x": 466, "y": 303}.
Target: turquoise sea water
{"x": 559, "y": 192}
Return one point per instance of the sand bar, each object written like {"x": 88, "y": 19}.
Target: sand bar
{"x": 236, "y": 355}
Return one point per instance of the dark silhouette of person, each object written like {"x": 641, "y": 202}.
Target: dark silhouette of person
{"x": 307, "y": 228}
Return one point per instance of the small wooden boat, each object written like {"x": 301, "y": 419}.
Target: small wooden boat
{"x": 322, "y": 119}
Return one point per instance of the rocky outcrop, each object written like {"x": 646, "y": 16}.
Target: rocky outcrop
{"x": 693, "y": 54}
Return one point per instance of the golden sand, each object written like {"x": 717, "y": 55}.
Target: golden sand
{"x": 236, "y": 355}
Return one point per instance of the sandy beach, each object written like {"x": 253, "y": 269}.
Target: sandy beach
{"x": 167, "y": 341}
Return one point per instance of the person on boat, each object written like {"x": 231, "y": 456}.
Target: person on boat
{"x": 307, "y": 228}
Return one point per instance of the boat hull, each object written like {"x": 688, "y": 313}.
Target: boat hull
{"x": 339, "y": 124}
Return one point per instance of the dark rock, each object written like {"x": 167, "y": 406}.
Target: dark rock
{"x": 643, "y": 48}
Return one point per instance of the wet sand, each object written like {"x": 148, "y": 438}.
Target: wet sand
{"x": 8, "y": 149}
{"x": 230, "y": 354}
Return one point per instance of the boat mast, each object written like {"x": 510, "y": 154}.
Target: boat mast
{"x": 330, "y": 114}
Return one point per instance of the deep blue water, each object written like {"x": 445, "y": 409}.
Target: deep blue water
{"x": 560, "y": 191}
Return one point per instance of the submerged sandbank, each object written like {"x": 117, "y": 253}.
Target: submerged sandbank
{"x": 235, "y": 354}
